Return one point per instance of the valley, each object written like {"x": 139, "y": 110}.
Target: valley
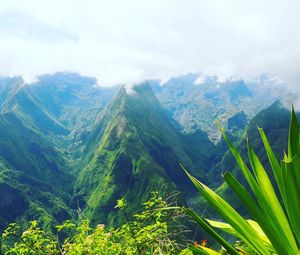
{"x": 68, "y": 144}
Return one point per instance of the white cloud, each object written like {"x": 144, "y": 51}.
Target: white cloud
{"x": 127, "y": 41}
{"x": 200, "y": 79}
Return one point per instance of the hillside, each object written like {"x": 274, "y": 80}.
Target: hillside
{"x": 134, "y": 149}
{"x": 37, "y": 144}
{"x": 33, "y": 177}
{"x": 67, "y": 143}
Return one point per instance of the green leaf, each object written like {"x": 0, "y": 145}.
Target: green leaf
{"x": 271, "y": 205}
{"x": 243, "y": 195}
{"x": 272, "y": 231}
{"x": 291, "y": 174}
{"x": 230, "y": 230}
{"x": 285, "y": 243}
{"x": 293, "y": 143}
{"x": 231, "y": 216}
{"x": 260, "y": 233}
{"x": 121, "y": 203}
{"x": 227, "y": 246}
{"x": 274, "y": 163}
{"x": 202, "y": 250}
{"x": 224, "y": 227}
{"x": 249, "y": 177}
{"x": 256, "y": 212}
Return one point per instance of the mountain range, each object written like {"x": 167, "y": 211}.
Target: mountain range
{"x": 68, "y": 145}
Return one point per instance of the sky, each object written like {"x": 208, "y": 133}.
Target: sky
{"x": 128, "y": 41}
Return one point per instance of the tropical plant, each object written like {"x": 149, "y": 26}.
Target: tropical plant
{"x": 148, "y": 232}
{"x": 275, "y": 226}
{"x": 33, "y": 240}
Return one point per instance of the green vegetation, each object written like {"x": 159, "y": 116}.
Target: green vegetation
{"x": 149, "y": 232}
{"x": 66, "y": 145}
{"x": 132, "y": 150}
{"x": 275, "y": 228}
{"x": 34, "y": 182}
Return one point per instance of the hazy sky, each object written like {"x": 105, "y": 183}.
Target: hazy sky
{"x": 127, "y": 41}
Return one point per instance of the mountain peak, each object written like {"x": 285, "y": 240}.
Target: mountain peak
{"x": 140, "y": 88}
{"x": 134, "y": 149}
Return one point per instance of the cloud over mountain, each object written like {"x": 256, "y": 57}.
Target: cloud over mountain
{"x": 129, "y": 41}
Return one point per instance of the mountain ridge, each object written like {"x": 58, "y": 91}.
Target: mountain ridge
{"x": 66, "y": 143}
{"x": 139, "y": 143}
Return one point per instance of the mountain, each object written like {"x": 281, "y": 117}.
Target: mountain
{"x": 71, "y": 99}
{"x": 33, "y": 180}
{"x": 7, "y": 86}
{"x": 67, "y": 144}
{"x": 135, "y": 149}
{"x": 36, "y": 171}
{"x": 196, "y": 105}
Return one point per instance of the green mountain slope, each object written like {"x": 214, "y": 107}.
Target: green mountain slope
{"x": 73, "y": 102}
{"x": 28, "y": 107}
{"x": 41, "y": 126}
{"x": 134, "y": 150}
{"x": 67, "y": 143}
{"x": 33, "y": 174}
{"x": 7, "y": 86}
{"x": 72, "y": 99}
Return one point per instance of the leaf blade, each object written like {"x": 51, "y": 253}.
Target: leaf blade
{"x": 227, "y": 246}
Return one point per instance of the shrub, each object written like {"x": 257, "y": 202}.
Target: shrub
{"x": 147, "y": 233}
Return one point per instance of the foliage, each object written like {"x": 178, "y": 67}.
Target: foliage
{"x": 275, "y": 228}
{"x": 147, "y": 233}
{"x": 31, "y": 241}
